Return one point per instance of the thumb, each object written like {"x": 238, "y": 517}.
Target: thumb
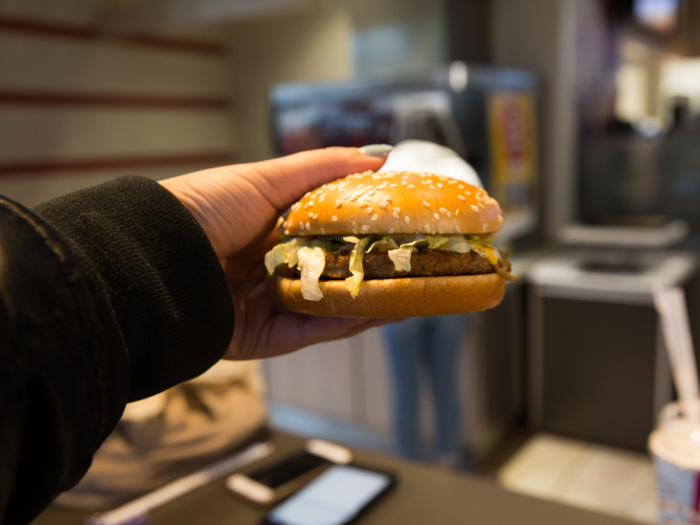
{"x": 286, "y": 179}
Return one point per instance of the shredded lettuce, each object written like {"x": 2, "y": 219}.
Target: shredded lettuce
{"x": 358, "y": 273}
{"x": 283, "y": 253}
{"x": 401, "y": 257}
{"x": 312, "y": 261}
{"x": 308, "y": 254}
{"x": 456, "y": 243}
{"x": 382, "y": 245}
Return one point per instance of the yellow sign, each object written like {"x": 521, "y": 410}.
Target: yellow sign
{"x": 513, "y": 148}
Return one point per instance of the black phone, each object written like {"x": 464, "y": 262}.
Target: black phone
{"x": 337, "y": 497}
{"x": 277, "y": 481}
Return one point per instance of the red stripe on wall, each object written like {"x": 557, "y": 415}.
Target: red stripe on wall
{"x": 107, "y": 100}
{"x": 174, "y": 44}
{"x": 162, "y": 161}
{"x": 50, "y": 29}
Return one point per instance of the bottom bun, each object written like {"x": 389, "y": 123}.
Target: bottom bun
{"x": 406, "y": 297}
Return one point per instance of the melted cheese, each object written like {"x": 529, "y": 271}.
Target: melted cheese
{"x": 491, "y": 253}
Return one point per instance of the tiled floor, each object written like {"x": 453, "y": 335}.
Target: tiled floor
{"x": 595, "y": 477}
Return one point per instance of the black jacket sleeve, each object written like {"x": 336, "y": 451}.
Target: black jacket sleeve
{"x": 107, "y": 295}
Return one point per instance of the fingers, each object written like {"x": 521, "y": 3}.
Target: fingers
{"x": 287, "y": 179}
{"x": 262, "y": 330}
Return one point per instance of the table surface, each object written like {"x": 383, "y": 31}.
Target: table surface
{"x": 423, "y": 495}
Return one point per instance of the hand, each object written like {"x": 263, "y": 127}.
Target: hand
{"x": 237, "y": 207}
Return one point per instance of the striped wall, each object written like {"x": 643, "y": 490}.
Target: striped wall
{"x": 77, "y": 107}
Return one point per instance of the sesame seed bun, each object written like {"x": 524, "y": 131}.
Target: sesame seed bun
{"x": 405, "y": 297}
{"x": 394, "y": 202}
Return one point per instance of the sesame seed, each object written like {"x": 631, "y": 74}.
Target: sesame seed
{"x": 440, "y": 230}
{"x": 425, "y": 182}
{"x": 391, "y": 230}
{"x": 308, "y": 226}
{"x": 296, "y": 206}
{"x": 432, "y": 187}
{"x": 311, "y": 203}
{"x": 461, "y": 186}
{"x": 457, "y": 212}
{"x": 315, "y": 216}
{"x": 425, "y": 203}
{"x": 437, "y": 217}
{"x": 334, "y": 218}
{"x": 475, "y": 208}
{"x": 354, "y": 230}
{"x": 359, "y": 186}
{"x": 403, "y": 183}
{"x": 375, "y": 217}
{"x": 396, "y": 215}
{"x": 443, "y": 210}
{"x": 323, "y": 196}
{"x": 370, "y": 193}
{"x": 311, "y": 214}
{"x": 484, "y": 226}
{"x": 410, "y": 186}
{"x": 363, "y": 205}
{"x": 307, "y": 194}
{"x": 433, "y": 232}
{"x": 448, "y": 214}
{"x": 286, "y": 232}
{"x": 369, "y": 210}
{"x": 301, "y": 225}
{"x": 397, "y": 210}
{"x": 323, "y": 232}
{"x": 457, "y": 229}
{"x": 427, "y": 228}
{"x": 440, "y": 185}
{"x": 468, "y": 192}
{"x": 407, "y": 219}
{"x": 338, "y": 204}
{"x": 393, "y": 185}
{"x": 365, "y": 228}
{"x": 462, "y": 197}
{"x": 451, "y": 182}
{"x": 383, "y": 204}
{"x": 302, "y": 233}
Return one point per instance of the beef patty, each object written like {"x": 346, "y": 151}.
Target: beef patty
{"x": 427, "y": 263}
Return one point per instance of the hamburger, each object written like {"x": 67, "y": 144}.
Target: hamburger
{"x": 390, "y": 244}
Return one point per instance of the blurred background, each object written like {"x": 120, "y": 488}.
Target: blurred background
{"x": 582, "y": 117}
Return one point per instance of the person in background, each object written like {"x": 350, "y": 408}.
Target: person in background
{"x": 427, "y": 348}
{"x": 118, "y": 292}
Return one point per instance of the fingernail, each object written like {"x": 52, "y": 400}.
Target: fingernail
{"x": 376, "y": 150}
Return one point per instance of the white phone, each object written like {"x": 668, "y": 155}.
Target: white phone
{"x": 277, "y": 481}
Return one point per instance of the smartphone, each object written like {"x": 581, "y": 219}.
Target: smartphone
{"x": 337, "y": 497}
{"x": 275, "y": 482}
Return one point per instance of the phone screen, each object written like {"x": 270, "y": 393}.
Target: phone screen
{"x": 334, "y": 498}
{"x": 289, "y": 469}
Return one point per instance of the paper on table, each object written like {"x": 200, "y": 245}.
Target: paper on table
{"x": 136, "y": 511}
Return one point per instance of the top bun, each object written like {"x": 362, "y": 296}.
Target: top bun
{"x": 394, "y": 202}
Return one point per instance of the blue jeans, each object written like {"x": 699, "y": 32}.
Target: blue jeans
{"x": 430, "y": 346}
